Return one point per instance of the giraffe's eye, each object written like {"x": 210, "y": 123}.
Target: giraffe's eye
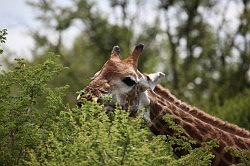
{"x": 128, "y": 81}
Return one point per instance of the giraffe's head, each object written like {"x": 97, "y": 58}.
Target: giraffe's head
{"x": 123, "y": 81}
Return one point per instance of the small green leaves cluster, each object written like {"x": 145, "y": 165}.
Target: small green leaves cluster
{"x": 3, "y": 34}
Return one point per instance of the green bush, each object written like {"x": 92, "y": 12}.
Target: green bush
{"x": 23, "y": 117}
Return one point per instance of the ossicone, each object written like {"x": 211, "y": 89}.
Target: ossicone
{"x": 115, "y": 54}
{"x": 136, "y": 54}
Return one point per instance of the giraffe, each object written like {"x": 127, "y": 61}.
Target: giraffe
{"x": 134, "y": 90}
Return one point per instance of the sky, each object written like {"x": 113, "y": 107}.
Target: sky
{"x": 19, "y": 19}
{"x": 16, "y": 16}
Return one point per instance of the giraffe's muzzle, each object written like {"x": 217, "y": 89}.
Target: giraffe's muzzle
{"x": 100, "y": 97}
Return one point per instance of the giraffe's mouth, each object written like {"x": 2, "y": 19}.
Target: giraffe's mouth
{"x": 107, "y": 100}
{"x": 103, "y": 98}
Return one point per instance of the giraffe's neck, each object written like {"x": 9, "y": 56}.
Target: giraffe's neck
{"x": 204, "y": 117}
{"x": 196, "y": 123}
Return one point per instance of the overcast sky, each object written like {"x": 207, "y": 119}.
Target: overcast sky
{"x": 16, "y": 16}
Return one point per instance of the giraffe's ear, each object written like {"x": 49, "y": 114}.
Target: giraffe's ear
{"x": 155, "y": 79}
{"x": 136, "y": 54}
{"x": 115, "y": 54}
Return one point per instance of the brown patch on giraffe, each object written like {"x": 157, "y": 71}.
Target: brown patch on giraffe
{"x": 184, "y": 107}
{"x": 193, "y": 132}
{"x": 240, "y": 143}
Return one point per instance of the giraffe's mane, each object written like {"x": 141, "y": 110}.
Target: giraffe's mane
{"x": 195, "y": 112}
